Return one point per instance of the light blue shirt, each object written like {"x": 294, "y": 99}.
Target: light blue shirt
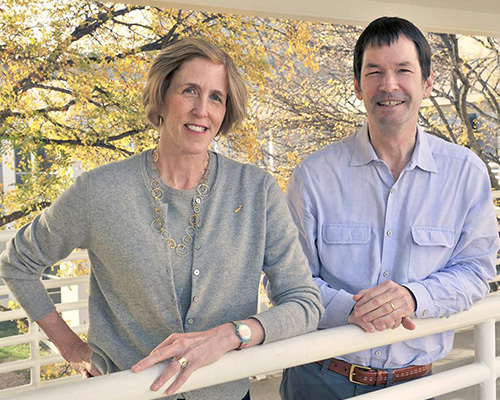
{"x": 432, "y": 230}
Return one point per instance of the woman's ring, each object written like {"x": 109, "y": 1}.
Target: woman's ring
{"x": 392, "y": 305}
{"x": 182, "y": 362}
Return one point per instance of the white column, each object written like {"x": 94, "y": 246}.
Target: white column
{"x": 484, "y": 338}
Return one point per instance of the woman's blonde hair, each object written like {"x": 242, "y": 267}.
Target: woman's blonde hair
{"x": 169, "y": 60}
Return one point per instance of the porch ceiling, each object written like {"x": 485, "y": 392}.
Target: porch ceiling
{"x": 470, "y": 17}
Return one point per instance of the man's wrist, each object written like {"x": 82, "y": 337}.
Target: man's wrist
{"x": 413, "y": 297}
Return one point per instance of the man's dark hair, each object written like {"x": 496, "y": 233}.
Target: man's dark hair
{"x": 384, "y": 31}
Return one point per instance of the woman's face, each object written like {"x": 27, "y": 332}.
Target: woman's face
{"x": 194, "y": 106}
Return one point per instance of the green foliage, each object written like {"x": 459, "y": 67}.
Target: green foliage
{"x": 16, "y": 352}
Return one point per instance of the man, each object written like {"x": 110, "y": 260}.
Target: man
{"x": 396, "y": 223}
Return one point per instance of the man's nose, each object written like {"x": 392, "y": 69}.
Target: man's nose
{"x": 389, "y": 83}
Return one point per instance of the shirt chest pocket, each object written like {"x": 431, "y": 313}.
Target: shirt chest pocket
{"x": 344, "y": 252}
{"x": 431, "y": 248}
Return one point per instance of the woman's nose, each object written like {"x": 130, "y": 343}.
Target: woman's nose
{"x": 200, "y": 108}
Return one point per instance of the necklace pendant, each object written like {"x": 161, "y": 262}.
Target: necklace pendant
{"x": 182, "y": 250}
{"x": 158, "y": 225}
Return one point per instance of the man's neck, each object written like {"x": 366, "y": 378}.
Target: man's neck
{"x": 394, "y": 147}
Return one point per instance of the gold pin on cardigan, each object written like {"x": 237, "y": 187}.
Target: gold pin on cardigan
{"x": 238, "y": 209}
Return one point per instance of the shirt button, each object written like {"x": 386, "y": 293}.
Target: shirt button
{"x": 424, "y": 313}
{"x": 386, "y": 274}
{"x": 389, "y": 233}
{"x": 392, "y": 190}
{"x": 195, "y": 299}
{"x": 190, "y": 321}
{"x": 378, "y": 353}
{"x": 196, "y": 272}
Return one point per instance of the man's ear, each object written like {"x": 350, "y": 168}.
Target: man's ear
{"x": 357, "y": 89}
{"x": 428, "y": 83}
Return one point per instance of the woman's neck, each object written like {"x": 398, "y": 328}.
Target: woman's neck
{"x": 181, "y": 171}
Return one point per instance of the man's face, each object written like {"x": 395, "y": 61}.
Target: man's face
{"x": 391, "y": 85}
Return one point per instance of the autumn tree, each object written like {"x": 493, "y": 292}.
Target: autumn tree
{"x": 465, "y": 100}
{"x": 310, "y": 106}
{"x": 73, "y": 72}
{"x": 310, "y": 103}
{"x": 72, "y": 77}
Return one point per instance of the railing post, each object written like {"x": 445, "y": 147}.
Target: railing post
{"x": 35, "y": 353}
{"x": 484, "y": 340}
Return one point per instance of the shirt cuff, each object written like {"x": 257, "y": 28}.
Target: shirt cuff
{"x": 337, "y": 311}
{"x": 425, "y": 305}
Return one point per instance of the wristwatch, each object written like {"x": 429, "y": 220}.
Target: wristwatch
{"x": 243, "y": 332}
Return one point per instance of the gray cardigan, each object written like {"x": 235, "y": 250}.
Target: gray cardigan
{"x": 132, "y": 302}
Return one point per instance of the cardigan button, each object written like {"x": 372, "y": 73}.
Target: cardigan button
{"x": 196, "y": 272}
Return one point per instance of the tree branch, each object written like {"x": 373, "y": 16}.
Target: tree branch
{"x": 6, "y": 219}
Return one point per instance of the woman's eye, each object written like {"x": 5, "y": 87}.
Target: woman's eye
{"x": 216, "y": 98}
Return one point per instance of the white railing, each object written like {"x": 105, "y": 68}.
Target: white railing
{"x": 315, "y": 346}
{"x": 34, "y": 336}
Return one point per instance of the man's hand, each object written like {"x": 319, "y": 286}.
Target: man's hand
{"x": 385, "y": 306}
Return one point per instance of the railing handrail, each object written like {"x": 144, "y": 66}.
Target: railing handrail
{"x": 278, "y": 355}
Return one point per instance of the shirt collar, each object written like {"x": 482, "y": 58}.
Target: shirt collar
{"x": 422, "y": 155}
{"x": 364, "y": 153}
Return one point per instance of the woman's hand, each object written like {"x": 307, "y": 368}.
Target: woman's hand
{"x": 72, "y": 348}
{"x": 197, "y": 349}
{"x": 79, "y": 359}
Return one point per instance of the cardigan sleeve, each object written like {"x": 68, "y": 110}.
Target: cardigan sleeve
{"x": 52, "y": 236}
{"x": 297, "y": 304}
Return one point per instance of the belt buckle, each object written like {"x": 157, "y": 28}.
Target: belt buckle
{"x": 351, "y": 374}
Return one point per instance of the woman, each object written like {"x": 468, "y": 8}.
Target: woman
{"x": 177, "y": 237}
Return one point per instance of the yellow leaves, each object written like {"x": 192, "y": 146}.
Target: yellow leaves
{"x": 71, "y": 269}
{"x": 292, "y": 158}
{"x": 55, "y": 371}
{"x": 22, "y": 323}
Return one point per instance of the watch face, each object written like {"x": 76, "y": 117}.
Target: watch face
{"x": 244, "y": 332}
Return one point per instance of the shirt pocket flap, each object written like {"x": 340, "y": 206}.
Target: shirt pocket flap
{"x": 346, "y": 234}
{"x": 428, "y": 236}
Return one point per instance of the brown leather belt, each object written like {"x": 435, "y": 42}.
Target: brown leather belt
{"x": 374, "y": 377}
